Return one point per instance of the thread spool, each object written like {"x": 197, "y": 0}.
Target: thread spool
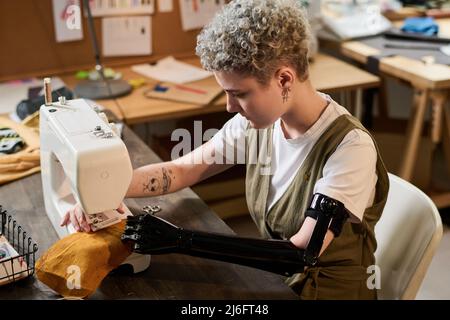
{"x": 48, "y": 92}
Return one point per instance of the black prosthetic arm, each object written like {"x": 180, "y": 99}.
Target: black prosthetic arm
{"x": 150, "y": 234}
{"x": 153, "y": 235}
{"x": 278, "y": 256}
{"x": 329, "y": 214}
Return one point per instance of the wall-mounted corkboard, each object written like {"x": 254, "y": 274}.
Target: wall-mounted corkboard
{"x": 28, "y": 45}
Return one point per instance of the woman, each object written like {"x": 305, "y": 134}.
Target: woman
{"x": 258, "y": 52}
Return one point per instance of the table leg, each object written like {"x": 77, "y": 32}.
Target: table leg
{"x": 438, "y": 99}
{"x": 383, "y": 108}
{"x": 414, "y": 133}
{"x": 343, "y": 100}
{"x": 446, "y": 135}
{"x": 442, "y": 198}
{"x": 368, "y": 102}
{"x": 358, "y": 104}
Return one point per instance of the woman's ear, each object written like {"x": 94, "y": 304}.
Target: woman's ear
{"x": 285, "y": 77}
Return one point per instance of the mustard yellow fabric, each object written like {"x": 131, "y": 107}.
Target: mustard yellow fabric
{"x": 26, "y": 161}
{"x": 93, "y": 254}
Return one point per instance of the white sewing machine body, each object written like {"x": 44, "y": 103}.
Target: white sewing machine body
{"x": 75, "y": 157}
{"x": 83, "y": 161}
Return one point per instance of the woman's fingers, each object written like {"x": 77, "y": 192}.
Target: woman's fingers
{"x": 121, "y": 208}
{"x": 65, "y": 219}
{"x": 84, "y": 224}
{"x": 81, "y": 218}
{"x": 77, "y": 218}
{"x": 74, "y": 220}
{"x": 86, "y": 227}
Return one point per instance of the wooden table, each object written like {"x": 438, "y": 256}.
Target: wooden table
{"x": 169, "y": 276}
{"x": 328, "y": 74}
{"x": 430, "y": 83}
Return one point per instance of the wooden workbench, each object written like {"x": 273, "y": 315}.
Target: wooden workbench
{"x": 169, "y": 276}
{"x": 328, "y": 75}
{"x": 430, "y": 82}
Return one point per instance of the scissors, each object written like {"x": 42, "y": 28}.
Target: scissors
{"x": 152, "y": 209}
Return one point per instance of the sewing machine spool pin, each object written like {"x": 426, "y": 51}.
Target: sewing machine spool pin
{"x": 48, "y": 91}
{"x": 48, "y": 96}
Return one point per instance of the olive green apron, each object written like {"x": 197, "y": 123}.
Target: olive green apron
{"x": 341, "y": 271}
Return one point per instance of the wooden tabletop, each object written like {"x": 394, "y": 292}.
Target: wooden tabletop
{"x": 434, "y": 76}
{"x": 328, "y": 74}
{"x": 170, "y": 276}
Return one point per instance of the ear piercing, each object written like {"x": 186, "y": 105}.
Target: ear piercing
{"x": 285, "y": 94}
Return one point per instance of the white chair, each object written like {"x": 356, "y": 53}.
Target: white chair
{"x": 408, "y": 235}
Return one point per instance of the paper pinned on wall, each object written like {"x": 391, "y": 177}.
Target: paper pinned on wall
{"x": 165, "y": 5}
{"x": 67, "y": 19}
{"x": 126, "y": 36}
{"x": 197, "y": 13}
{"x": 171, "y": 70}
{"x": 121, "y": 7}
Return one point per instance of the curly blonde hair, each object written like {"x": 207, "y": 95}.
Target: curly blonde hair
{"x": 254, "y": 37}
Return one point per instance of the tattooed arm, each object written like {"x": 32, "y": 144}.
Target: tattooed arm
{"x": 161, "y": 178}
{"x": 154, "y": 180}
{"x": 166, "y": 177}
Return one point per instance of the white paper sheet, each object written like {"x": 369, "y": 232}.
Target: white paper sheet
{"x": 126, "y": 36}
{"x": 197, "y": 13}
{"x": 121, "y": 7}
{"x": 10, "y": 270}
{"x": 67, "y": 19}
{"x": 171, "y": 70}
{"x": 165, "y": 5}
{"x": 12, "y": 92}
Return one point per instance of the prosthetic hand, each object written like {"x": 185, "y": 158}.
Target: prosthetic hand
{"x": 153, "y": 235}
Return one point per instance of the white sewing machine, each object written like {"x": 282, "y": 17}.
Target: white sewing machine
{"x": 83, "y": 160}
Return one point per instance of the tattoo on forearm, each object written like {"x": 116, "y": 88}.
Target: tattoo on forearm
{"x": 158, "y": 185}
{"x": 152, "y": 186}
{"x": 167, "y": 180}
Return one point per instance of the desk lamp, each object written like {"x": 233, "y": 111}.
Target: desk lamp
{"x": 103, "y": 88}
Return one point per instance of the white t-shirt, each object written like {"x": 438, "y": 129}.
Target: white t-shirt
{"x": 349, "y": 175}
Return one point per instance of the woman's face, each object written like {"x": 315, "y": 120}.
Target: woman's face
{"x": 260, "y": 105}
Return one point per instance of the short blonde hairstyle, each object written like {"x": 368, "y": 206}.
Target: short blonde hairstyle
{"x": 255, "y": 37}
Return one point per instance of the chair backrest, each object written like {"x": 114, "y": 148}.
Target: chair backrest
{"x": 408, "y": 234}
